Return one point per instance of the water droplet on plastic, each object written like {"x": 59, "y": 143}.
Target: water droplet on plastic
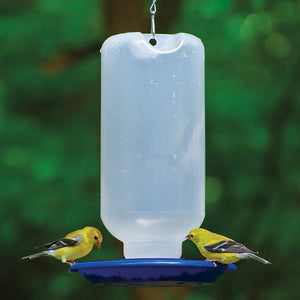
{"x": 174, "y": 75}
{"x": 174, "y": 117}
{"x": 174, "y": 155}
{"x": 185, "y": 55}
{"x": 174, "y": 95}
{"x": 153, "y": 82}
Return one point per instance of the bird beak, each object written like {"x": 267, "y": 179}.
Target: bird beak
{"x": 98, "y": 245}
{"x": 188, "y": 237}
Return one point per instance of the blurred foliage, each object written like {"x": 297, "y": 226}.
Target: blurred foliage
{"x": 49, "y": 133}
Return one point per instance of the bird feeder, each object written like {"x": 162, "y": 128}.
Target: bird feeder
{"x": 152, "y": 141}
{"x": 152, "y": 158}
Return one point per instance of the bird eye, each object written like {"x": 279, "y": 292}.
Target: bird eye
{"x": 96, "y": 238}
{"x": 191, "y": 235}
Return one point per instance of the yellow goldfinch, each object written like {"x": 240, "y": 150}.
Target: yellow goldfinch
{"x": 74, "y": 245}
{"x": 219, "y": 248}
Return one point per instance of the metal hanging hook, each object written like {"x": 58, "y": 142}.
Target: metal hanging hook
{"x": 152, "y": 14}
{"x": 153, "y": 8}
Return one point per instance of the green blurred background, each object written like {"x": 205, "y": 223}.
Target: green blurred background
{"x": 49, "y": 129}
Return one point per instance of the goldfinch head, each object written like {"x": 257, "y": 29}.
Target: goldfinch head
{"x": 94, "y": 235}
{"x": 199, "y": 235}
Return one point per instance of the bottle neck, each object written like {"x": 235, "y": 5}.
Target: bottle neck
{"x": 153, "y": 249}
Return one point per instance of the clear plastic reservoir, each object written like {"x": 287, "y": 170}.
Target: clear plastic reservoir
{"x": 152, "y": 141}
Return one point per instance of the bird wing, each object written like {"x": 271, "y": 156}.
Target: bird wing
{"x": 227, "y": 246}
{"x": 61, "y": 243}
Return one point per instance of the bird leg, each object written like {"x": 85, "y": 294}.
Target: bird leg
{"x": 69, "y": 262}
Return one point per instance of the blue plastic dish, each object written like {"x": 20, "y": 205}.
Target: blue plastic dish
{"x": 151, "y": 272}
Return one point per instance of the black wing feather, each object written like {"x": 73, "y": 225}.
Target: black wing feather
{"x": 61, "y": 243}
{"x": 228, "y": 247}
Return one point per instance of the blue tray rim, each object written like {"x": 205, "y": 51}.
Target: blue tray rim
{"x": 148, "y": 262}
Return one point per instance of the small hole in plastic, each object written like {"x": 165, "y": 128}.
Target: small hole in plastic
{"x": 153, "y": 41}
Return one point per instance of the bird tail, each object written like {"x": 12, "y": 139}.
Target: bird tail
{"x": 36, "y": 255}
{"x": 256, "y": 257}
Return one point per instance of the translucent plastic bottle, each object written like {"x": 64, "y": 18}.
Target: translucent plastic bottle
{"x": 152, "y": 141}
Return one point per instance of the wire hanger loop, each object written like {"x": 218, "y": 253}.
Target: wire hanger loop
{"x": 153, "y": 8}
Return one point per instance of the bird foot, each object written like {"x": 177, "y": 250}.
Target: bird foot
{"x": 70, "y": 263}
{"x": 213, "y": 261}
